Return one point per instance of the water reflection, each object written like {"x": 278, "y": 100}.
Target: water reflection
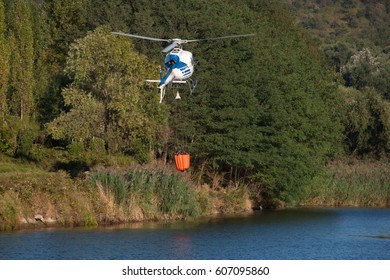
{"x": 181, "y": 245}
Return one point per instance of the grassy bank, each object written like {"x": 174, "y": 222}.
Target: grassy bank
{"x": 349, "y": 182}
{"x": 31, "y": 197}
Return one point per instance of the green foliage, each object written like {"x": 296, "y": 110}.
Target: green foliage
{"x": 363, "y": 70}
{"x": 43, "y": 69}
{"x": 22, "y": 58}
{"x": 367, "y": 126}
{"x": 355, "y": 36}
{"x": 174, "y": 195}
{"x": 235, "y": 200}
{"x": 368, "y": 69}
{"x": 113, "y": 184}
{"x": 76, "y": 149}
{"x": 25, "y": 139}
{"x": 157, "y": 192}
{"x": 4, "y": 66}
{"x": 90, "y": 220}
{"x": 168, "y": 191}
{"x": 7, "y": 141}
{"x": 338, "y": 53}
{"x": 17, "y": 137}
{"x": 355, "y": 44}
{"x": 344, "y": 19}
{"x": 349, "y": 182}
{"x": 107, "y": 99}
{"x": 266, "y": 109}
{"x": 67, "y": 20}
{"x": 98, "y": 147}
{"x": 26, "y": 190}
{"x": 115, "y": 13}
{"x": 8, "y": 211}
{"x": 57, "y": 24}
{"x": 84, "y": 121}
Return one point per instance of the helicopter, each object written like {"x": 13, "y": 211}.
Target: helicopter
{"x": 178, "y": 64}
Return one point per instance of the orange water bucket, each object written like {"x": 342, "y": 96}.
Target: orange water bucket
{"x": 182, "y": 162}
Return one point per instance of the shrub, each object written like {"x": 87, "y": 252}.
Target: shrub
{"x": 76, "y": 149}
{"x": 25, "y": 140}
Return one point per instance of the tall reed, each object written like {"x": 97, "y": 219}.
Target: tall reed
{"x": 112, "y": 183}
{"x": 351, "y": 183}
{"x": 159, "y": 193}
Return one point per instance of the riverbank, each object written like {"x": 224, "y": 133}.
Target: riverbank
{"x": 32, "y": 198}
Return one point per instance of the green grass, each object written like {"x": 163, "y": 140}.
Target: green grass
{"x": 27, "y": 190}
{"x": 8, "y": 212}
{"x": 351, "y": 183}
{"x": 9, "y": 166}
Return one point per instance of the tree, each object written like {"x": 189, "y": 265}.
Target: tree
{"x": 4, "y": 66}
{"x": 107, "y": 97}
{"x": 361, "y": 69}
{"x": 44, "y": 71}
{"x": 337, "y": 54}
{"x": 367, "y": 69}
{"x": 367, "y": 127}
{"x": 67, "y": 19}
{"x": 300, "y": 124}
{"x": 21, "y": 60}
{"x": 115, "y": 13}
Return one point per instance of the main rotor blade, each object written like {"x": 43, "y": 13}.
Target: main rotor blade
{"x": 141, "y": 37}
{"x": 218, "y": 38}
{"x": 170, "y": 47}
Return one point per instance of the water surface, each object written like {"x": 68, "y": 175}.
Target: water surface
{"x": 284, "y": 234}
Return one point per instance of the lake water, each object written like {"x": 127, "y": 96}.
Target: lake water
{"x": 302, "y": 234}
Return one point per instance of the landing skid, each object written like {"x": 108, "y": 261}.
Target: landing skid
{"x": 191, "y": 84}
{"x": 162, "y": 92}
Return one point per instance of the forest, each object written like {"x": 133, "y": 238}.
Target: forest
{"x": 279, "y": 113}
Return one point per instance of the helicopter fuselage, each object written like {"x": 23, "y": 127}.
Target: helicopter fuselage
{"x": 179, "y": 66}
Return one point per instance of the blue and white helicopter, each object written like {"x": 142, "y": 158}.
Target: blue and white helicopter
{"x": 179, "y": 64}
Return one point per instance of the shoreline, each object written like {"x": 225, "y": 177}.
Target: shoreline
{"x": 31, "y": 197}
{"x": 51, "y": 224}
{"x": 25, "y": 225}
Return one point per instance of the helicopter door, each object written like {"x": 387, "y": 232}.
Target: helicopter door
{"x": 171, "y": 60}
